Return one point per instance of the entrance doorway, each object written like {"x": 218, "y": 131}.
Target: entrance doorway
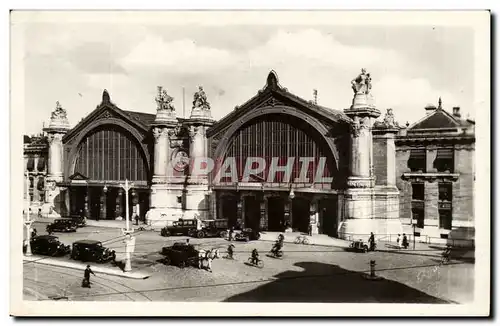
{"x": 328, "y": 216}
{"x": 276, "y": 213}
{"x": 252, "y": 213}
{"x": 229, "y": 210}
{"x": 300, "y": 214}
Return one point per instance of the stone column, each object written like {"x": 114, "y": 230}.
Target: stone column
{"x": 263, "y": 213}
{"x": 102, "y": 201}
{"x": 359, "y": 194}
{"x": 239, "y": 211}
{"x": 119, "y": 203}
{"x": 314, "y": 215}
{"x": 160, "y": 154}
{"x": 135, "y": 205}
{"x": 86, "y": 205}
{"x": 58, "y": 127}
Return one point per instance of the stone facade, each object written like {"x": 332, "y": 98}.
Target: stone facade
{"x": 366, "y": 157}
{"x": 445, "y": 143}
{"x": 35, "y": 166}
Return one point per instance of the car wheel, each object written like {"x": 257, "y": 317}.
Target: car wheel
{"x": 365, "y": 249}
{"x": 200, "y": 234}
{"x": 223, "y": 234}
{"x": 182, "y": 264}
{"x": 257, "y": 237}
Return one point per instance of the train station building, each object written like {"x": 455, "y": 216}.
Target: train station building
{"x": 276, "y": 160}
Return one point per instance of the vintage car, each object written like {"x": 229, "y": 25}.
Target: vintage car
{"x": 180, "y": 254}
{"x": 79, "y": 221}
{"x": 62, "y": 225}
{"x": 92, "y": 251}
{"x": 358, "y": 246}
{"x": 182, "y": 227}
{"x": 48, "y": 245}
{"x": 211, "y": 228}
{"x": 247, "y": 235}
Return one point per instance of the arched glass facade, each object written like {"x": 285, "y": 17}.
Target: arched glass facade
{"x": 281, "y": 137}
{"x": 110, "y": 153}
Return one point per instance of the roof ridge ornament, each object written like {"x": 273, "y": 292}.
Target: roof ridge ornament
{"x": 440, "y": 102}
{"x": 201, "y": 106}
{"x": 273, "y": 81}
{"x": 105, "y": 97}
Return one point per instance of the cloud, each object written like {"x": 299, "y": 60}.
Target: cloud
{"x": 179, "y": 56}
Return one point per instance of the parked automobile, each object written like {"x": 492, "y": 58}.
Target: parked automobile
{"x": 212, "y": 228}
{"x": 247, "y": 234}
{"x": 180, "y": 254}
{"x": 92, "y": 251}
{"x": 182, "y": 227}
{"x": 358, "y": 246}
{"x": 61, "y": 225}
{"x": 48, "y": 245}
{"x": 79, "y": 221}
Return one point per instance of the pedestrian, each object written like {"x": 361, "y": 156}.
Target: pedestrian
{"x": 39, "y": 212}
{"x": 231, "y": 231}
{"x": 136, "y": 219}
{"x": 86, "y": 277}
{"x": 33, "y": 233}
{"x": 187, "y": 241}
{"x": 371, "y": 241}
{"x": 405, "y": 241}
{"x": 310, "y": 230}
{"x": 398, "y": 239}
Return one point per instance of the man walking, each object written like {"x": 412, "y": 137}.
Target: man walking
{"x": 86, "y": 277}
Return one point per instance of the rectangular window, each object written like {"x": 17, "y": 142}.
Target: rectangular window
{"x": 444, "y": 161}
{"x": 445, "y": 191}
{"x": 418, "y": 214}
{"x": 445, "y": 219}
{"x": 418, "y": 191}
{"x": 418, "y": 160}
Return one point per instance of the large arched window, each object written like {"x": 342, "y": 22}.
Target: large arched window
{"x": 110, "y": 153}
{"x": 279, "y": 136}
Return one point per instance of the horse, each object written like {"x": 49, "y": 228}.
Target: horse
{"x": 208, "y": 256}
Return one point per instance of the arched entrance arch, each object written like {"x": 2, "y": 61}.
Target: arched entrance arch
{"x": 104, "y": 155}
{"x": 319, "y": 130}
{"x": 283, "y": 139}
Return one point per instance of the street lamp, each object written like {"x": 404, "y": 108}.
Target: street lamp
{"x": 129, "y": 239}
{"x": 27, "y": 221}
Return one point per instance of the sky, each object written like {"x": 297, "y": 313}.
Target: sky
{"x": 411, "y": 66}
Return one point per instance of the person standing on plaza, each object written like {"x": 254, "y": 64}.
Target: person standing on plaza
{"x": 371, "y": 241}
{"x": 398, "y": 239}
{"x": 310, "y": 230}
{"x": 86, "y": 277}
{"x": 405, "y": 241}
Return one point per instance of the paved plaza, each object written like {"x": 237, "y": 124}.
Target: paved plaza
{"x": 306, "y": 273}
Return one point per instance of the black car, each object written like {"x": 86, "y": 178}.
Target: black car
{"x": 181, "y": 227}
{"x": 180, "y": 254}
{"x": 212, "y": 228}
{"x": 61, "y": 225}
{"x": 92, "y": 251}
{"x": 247, "y": 235}
{"x": 48, "y": 245}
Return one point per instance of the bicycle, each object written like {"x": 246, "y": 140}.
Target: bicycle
{"x": 302, "y": 239}
{"x": 258, "y": 264}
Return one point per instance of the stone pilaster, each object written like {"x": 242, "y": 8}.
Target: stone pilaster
{"x": 430, "y": 157}
{"x": 55, "y": 205}
{"x": 103, "y": 206}
{"x": 119, "y": 208}
{"x": 263, "y": 213}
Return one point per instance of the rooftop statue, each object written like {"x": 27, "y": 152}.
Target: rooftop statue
{"x": 200, "y": 100}
{"x": 389, "y": 118}
{"x": 362, "y": 84}
{"x": 59, "y": 112}
{"x": 163, "y": 100}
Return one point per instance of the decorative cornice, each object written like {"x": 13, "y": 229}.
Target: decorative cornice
{"x": 360, "y": 182}
{"x": 430, "y": 177}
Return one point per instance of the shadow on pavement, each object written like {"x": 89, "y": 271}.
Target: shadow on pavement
{"x": 329, "y": 283}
